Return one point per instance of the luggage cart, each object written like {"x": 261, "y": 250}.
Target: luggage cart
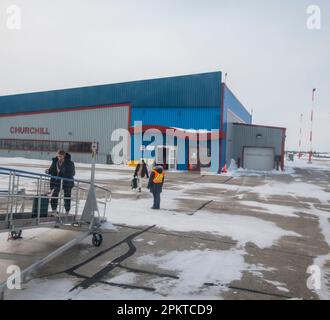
{"x": 22, "y": 206}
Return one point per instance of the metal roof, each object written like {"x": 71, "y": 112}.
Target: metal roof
{"x": 199, "y": 90}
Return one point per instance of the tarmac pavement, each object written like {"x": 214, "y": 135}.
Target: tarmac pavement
{"x": 283, "y": 274}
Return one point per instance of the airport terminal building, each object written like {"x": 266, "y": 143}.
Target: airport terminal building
{"x": 194, "y": 107}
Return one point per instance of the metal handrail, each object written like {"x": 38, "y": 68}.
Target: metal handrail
{"x": 13, "y": 196}
{"x": 35, "y": 175}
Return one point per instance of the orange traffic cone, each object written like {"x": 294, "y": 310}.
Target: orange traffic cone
{"x": 224, "y": 169}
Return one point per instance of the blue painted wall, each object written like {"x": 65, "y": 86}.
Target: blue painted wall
{"x": 182, "y": 117}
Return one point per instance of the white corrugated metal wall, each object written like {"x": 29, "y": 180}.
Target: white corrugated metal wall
{"x": 84, "y": 125}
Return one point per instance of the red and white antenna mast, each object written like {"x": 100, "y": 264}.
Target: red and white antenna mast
{"x": 312, "y": 126}
{"x": 300, "y": 135}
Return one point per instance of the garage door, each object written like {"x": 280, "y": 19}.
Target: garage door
{"x": 262, "y": 159}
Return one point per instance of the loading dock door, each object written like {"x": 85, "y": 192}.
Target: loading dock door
{"x": 262, "y": 159}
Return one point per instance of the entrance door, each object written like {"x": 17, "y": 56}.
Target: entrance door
{"x": 172, "y": 159}
{"x": 167, "y": 156}
{"x": 161, "y": 156}
{"x": 194, "y": 164}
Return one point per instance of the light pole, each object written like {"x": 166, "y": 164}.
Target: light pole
{"x": 94, "y": 153}
{"x": 312, "y": 125}
{"x": 300, "y": 137}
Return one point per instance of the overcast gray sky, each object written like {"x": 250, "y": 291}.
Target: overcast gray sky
{"x": 272, "y": 59}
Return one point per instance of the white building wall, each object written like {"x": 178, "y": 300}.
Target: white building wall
{"x": 86, "y": 125}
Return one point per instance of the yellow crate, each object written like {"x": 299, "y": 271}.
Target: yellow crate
{"x": 133, "y": 163}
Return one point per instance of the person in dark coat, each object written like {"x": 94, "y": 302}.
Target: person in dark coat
{"x": 140, "y": 173}
{"x": 63, "y": 167}
{"x": 155, "y": 185}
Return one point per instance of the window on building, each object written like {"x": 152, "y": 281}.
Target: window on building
{"x": 45, "y": 146}
{"x": 9, "y": 145}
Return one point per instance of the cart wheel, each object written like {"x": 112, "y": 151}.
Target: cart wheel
{"x": 97, "y": 239}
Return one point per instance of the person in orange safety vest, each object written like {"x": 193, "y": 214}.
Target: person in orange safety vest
{"x": 155, "y": 185}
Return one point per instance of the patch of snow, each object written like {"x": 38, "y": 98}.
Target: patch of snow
{"x": 243, "y": 229}
{"x": 104, "y": 292}
{"x": 28, "y": 234}
{"x": 304, "y": 190}
{"x": 195, "y": 269}
{"x": 279, "y": 285}
{"x": 38, "y": 166}
{"x": 36, "y": 162}
{"x": 255, "y": 173}
{"x": 273, "y": 188}
{"x": 42, "y": 289}
{"x": 108, "y": 226}
{"x": 123, "y": 278}
{"x": 317, "y": 164}
{"x": 257, "y": 270}
{"x": 272, "y": 208}
{"x": 18, "y": 160}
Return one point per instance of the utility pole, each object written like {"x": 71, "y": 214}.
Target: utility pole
{"x": 312, "y": 125}
{"x": 300, "y": 135}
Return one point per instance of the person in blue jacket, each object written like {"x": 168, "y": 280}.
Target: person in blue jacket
{"x": 62, "y": 167}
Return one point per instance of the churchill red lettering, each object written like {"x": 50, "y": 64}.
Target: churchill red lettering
{"x": 29, "y": 130}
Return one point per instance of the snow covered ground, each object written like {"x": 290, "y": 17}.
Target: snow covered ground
{"x": 103, "y": 172}
{"x": 235, "y": 228}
